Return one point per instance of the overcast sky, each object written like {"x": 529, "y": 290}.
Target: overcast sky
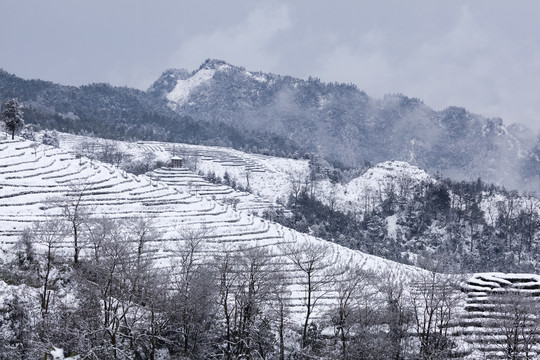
{"x": 482, "y": 55}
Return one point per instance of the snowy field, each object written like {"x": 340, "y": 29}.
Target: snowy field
{"x": 34, "y": 178}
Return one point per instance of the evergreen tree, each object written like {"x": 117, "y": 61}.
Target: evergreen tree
{"x": 12, "y": 116}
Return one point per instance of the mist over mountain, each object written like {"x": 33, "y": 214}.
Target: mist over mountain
{"x": 123, "y": 113}
{"x": 345, "y": 125}
{"x": 226, "y": 105}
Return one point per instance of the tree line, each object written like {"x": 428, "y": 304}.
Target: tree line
{"x": 471, "y": 226}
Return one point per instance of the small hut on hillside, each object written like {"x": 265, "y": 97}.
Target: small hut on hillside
{"x": 176, "y": 162}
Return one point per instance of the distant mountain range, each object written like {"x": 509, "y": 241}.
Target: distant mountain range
{"x": 343, "y": 124}
{"x": 122, "y": 113}
{"x": 226, "y": 105}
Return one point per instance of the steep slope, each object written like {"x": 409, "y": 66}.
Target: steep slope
{"x": 36, "y": 181}
{"x": 343, "y": 124}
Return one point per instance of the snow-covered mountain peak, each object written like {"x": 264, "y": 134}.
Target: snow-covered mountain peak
{"x": 168, "y": 80}
{"x": 185, "y": 85}
{"x": 388, "y": 171}
{"x": 257, "y": 76}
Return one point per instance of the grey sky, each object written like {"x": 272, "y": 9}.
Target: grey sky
{"x": 482, "y": 55}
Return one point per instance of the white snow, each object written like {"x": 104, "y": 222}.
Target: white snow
{"x": 183, "y": 88}
{"x": 392, "y": 226}
{"x": 365, "y": 192}
{"x": 30, "y": 176}
{"x": 259, "y": 78}
{"x": 29, "y": 179}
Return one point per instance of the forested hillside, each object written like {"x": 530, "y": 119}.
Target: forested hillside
{"x": 102, "y": 263}
{"x": 464, "y": 226}
{"x": 221, "y": 104}
{"x": 109, "y": 265}
{"x": 393, "y": 210}
{"x": 343, "y": 124}
{"x": 123, "y": 113}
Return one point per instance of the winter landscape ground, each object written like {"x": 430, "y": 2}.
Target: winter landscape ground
{"x": 469, "y": 315}
{"x": 39, "y": 181}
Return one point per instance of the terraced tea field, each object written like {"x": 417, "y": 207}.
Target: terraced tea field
{"x": 34, "y": 180}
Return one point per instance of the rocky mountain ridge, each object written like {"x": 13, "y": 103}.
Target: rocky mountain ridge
{"x": 343, "y": 124}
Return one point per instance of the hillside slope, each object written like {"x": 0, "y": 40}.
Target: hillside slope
{"x": 35, "y": 180}
{"x": 392, "y": 209}
{"x": 342, "y": 123}
{"x": 121, "y": 113}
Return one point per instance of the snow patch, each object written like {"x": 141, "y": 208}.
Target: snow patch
{"x": 365, "y": 192}
{"x": 391, "y": 222}
{"x": 183, "y": 88}
{"x": 259, "y": 78}
{"x": 323, "y": 101}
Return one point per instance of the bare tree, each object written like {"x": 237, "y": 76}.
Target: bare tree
{"x": 191, "y": 162}
{"x": 74, "y": 211}
{"x": 527, "y": 224}
{"x": 111, "y": 153}
{"x": 194, "y": 289}
{"x": 142, "y": 231}
{"x": 227, "y": 276}
{"x": 99, "y": 230}
{"x": 517, "y": 324}
{"x": 355, "y": 304}
{"x": 87, "y": 148}
{"x": 434, "y": 302}
{"x": 298, "y": 183}
{"x": 49, "y": 234}
{"x": 396, "y": 311}
{"x": 256, "y": 285}
{"x": 310, "y": 259}
{"x": 331, "y": 196}
{"x": 134, "y": 295}
{"x": 250, "y": 294}
{"x": 247, "y": 174}
{"x": 160, "y": 301}
{"x": 120, "y": 281}
{"x": 280, "y": 304}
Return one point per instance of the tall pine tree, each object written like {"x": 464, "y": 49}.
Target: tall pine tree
{"x": 12, "y": 116}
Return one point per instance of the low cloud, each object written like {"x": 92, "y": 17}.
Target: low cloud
{"x": 482, "y": 55}
{"x": 468, "y": 65}
{"x": 246, "y": 44}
